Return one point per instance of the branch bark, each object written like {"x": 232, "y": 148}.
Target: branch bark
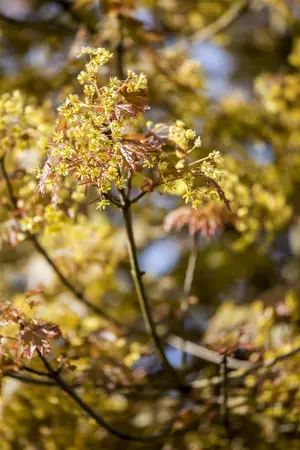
{"x": 29, "y": 380}
{"x": 141, "y": 293}
{"x": 70, "y": 391}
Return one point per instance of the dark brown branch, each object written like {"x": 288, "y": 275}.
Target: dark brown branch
{"x": 139, "y": 196}
{"x": 40, "y": 25}
{"x": 35, "y": 371}
{"x": 78, "y": 294}
{"x": 132, "y": 249}
{"x": 57, "y": 378}
{"x": 224, "y": 394}
{"x": 29, "y": 380}
{"x": 120, "y": 50}
{"x": 68, "y": 7}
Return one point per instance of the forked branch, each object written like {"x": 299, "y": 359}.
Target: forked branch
{"x": 70, "y": 391}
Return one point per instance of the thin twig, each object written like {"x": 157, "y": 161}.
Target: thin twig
{"x": 120, "y": 50}
{"x": 211, "y": 356}
{"x": 60, "y": 381}
{"x": 78, "y": 294}
{"x": 237, "y": 375}
{"x": 187, "y": 286}
{"x": 35, "y": 371}
{"x": 29, "y": 380}
{"x": 72, "y": 12}
{"x": 224, "y": 394}
{"x": 36, "y": 24}
{"x": 155, "y": 185}
{"x": 139, "y": 196}
{"x": 209, "y": 180}
{"x": 42, "y": 251}
{"x": 190, "y": 273}
{"x": 221, "y": 23}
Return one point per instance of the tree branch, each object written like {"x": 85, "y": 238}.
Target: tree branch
{"x": 120, "y": 50}
{"x": 35, "y": 371}
{"x": 29, "y": 380}
{"x": 238, "y": 376}
{"x": 141, "y": 293}
{"x": 221, "y": 23}
{"x": 187, "y": 286}
{"x": 42, "y": 251}
{"x": 57, "y": 378}
{"x": 40, "y": 25}
{"x": 132, "y": 250}
{"x": 139, "y": 196}
{"x": 224, "y": 410}
{"x": 199, "y": 351}
{"x": 68, "y": 7}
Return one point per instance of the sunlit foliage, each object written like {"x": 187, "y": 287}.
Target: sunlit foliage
{"x": 117, "y": 144}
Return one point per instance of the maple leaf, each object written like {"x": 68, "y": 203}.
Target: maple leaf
{"x": 138, "y": 101}
{"x": 208, "y": 219}
{"x": 134, "y": 151}
{"x": 36, "y": 336}
{"x": 125, "y": 108}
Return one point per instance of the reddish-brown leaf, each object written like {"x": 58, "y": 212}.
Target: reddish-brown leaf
{"x": 36, "y": 335}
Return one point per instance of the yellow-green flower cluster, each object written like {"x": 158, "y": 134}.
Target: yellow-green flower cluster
{"x": 256, "y": 200}
{"x": 94, "y": 141}
{"x": 98, "y": 57}
{"x": 21, "y": 122}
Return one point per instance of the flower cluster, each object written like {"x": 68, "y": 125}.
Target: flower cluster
{"x": 255, "y": 200}
{"x": 96, "y": 141}
{"x": 22, "y": 122}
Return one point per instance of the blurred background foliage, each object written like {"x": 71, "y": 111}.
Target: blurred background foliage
{"x": 230, "y": 70}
